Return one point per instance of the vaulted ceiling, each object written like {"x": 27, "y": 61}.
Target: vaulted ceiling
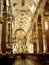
{"x": 23, "y": 12}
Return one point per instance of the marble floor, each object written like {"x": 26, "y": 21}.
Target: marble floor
{"x": 29, "y": 62}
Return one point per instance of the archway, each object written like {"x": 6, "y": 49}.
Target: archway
{"x": 20, "y": 43}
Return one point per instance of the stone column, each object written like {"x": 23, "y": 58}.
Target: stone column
{"x": 4, "y": 37}
{"x": 47, "y": 34}
{"x": 3, "y": 45}
{"x": 43, "y": 34}
{"x": 10, "y": 33}
{"x": 40, "y": 34}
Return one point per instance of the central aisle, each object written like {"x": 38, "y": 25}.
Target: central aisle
{"x": 28, "y": 62}
{"x": 24, "y": 62}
